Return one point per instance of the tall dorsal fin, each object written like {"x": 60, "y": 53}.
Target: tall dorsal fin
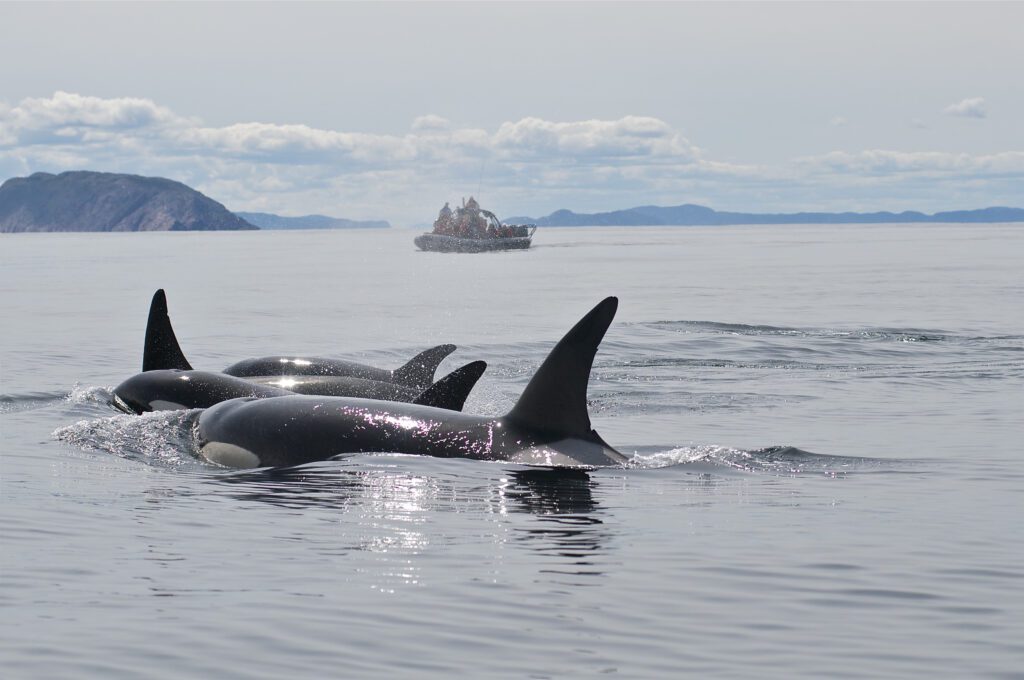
{"x": 161, "y": 350}
{"x": 419, "y": 371}
{"x": 451, "y": 391}
{"x": 555, "y": 400}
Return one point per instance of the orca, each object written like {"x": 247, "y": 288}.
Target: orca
{"x": 162, "y": 351}
{"x": 418, "y": 372}
{"x": 339, "y": 386}
{"x": 171, "y": 389}
{"x": 164, "y": 390}
{"x": 549, "y": 426}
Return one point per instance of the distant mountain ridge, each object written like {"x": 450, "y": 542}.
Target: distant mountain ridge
{"x": 698, "y": 215}
{"x": 103, "y": 201}
{"x": 270, "y": 221}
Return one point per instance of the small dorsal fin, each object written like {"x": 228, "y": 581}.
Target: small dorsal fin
{"x": 419, "y": 371}
{"x": 555, "y": 400}
{"x": 451, "y": 391}
{"x": 161, "y": 350}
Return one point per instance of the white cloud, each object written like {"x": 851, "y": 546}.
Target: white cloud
{"x": 431, "y": 123}
{"x": 528, "y": 166}
{"x": 973, "y": 107}
{"x": 281, "y": 143}
{"x": 629, "y": 137}
{"x": 883, "y": 162}
{"x": 838, "y": 121}
{"x": 66, "y": 115}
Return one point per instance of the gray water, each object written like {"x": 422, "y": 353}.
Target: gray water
{"x": 825, "y": 425}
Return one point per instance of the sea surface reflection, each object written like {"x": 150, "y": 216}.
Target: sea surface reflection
{"x": 559, "y": 511}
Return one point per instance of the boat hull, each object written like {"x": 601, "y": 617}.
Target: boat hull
{"x": 456, "y": 244}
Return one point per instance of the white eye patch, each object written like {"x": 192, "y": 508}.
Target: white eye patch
{"x": 229, "y": 455}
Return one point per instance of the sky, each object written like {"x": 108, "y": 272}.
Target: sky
{"x": 386, "y": 110}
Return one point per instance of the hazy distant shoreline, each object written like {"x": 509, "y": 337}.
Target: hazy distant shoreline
{"x": 701, "y": 216}
{"x": 272, "y": 221}
{"x": 86, "y": 201}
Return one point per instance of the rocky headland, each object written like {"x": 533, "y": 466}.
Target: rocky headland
{"x": 103, "y": 201}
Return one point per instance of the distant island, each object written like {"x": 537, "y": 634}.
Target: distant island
{"x": 270, "y": 221}
{"x": 698, "y": 215}
{"x": 103, "y": 201}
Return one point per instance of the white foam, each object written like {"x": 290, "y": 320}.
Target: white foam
{"x": 161, "y": 438}
{"x": 680, "y": 456}
{"x": 81, "y": 394}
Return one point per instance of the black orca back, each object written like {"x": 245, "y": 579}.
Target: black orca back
{"x": 161, "y": 350}
{"x": 451, "y": 391}
{"x": 419, "y": 371}
{"x": 555, "y": 400}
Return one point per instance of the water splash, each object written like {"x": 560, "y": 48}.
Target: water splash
{"x": 84, "y": 395}
{"x": 679, "y": 456}
{"x": 162, "y": 438}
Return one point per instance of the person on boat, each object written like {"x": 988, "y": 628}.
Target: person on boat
{"x": 477, "y": 225}
{"x": 444, "y": 223}
{"x": 460, "y": 227}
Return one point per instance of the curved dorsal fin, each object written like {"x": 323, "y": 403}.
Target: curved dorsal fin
{"x": 451, "y": 391}
{"x": 161, "y": 350}
{"x": 555, "y": 400}
{"x": 419, "y": 371}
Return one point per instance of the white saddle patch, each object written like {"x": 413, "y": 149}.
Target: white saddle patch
{"x": 229, "y": 455}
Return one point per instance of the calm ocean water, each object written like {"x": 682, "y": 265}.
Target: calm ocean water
{"x": 826, "y": 425}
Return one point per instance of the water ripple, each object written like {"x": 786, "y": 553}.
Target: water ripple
{"x": 787, "y": 460}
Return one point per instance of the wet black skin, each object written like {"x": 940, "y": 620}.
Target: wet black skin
{"x": 416, "y": 373}
{"x": 161, "y": 390}
{"x": 176, "y": 389}
{"x": 301, "y": 429}
{"x": 549, "y": 425}
{"x": 339, "y": 386}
